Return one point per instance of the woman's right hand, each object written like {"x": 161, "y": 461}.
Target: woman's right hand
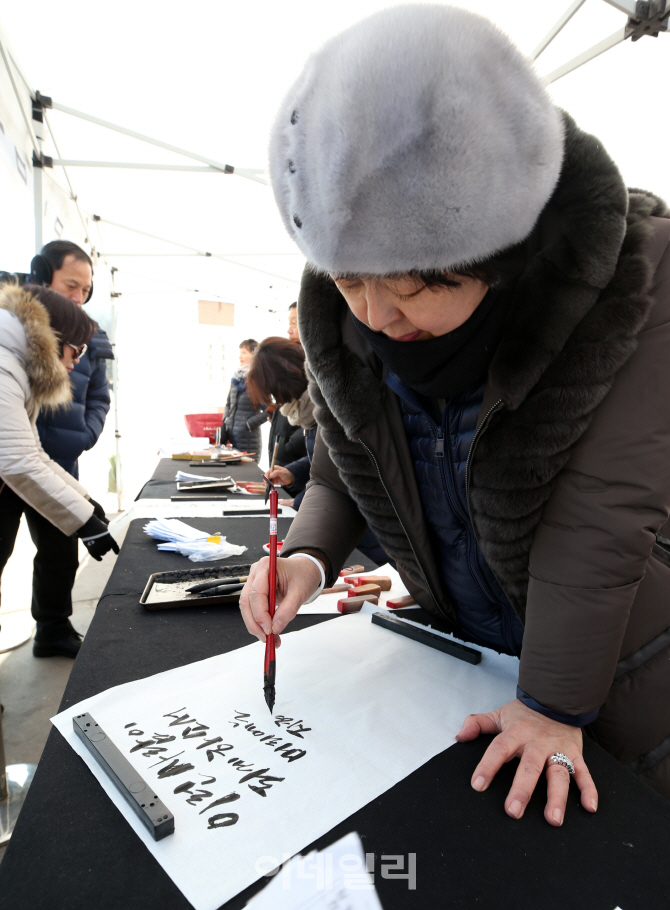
{"x": 297, "y": 580}
{"x": 281, "y": 476}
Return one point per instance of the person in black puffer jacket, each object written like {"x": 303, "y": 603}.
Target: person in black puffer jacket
{"x": 242, "y": 419}
{"x": 278, "y": 371}
{"x": 76, "y": 429}
{"x": 291, "y": 439}
{"x": 68, "y": 431}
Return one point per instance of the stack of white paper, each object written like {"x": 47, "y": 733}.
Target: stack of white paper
{"x": 337, "y": 878}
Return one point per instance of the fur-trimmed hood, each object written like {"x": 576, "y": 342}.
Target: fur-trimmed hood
{"x": 26, "y": 334}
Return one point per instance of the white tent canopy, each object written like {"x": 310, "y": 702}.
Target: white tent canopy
{"x": 208, "y": 78}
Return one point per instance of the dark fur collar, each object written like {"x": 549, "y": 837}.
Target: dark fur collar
{"x": 578, "y": 307}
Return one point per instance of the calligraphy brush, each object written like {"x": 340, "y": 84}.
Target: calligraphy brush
{"x": 215, "y": 582}
{"x": 269, "y": 482}
{"x": 221, "y": 589}
{"x": 269, "y": 667}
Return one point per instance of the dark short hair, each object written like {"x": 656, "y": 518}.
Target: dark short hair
{"x": 293, "y": 306}
{"x": 56, "y": 251}
{"x": 250, "y": 344}
{"x": 70, "y": 322}
{"x": 278, "y": 371}
{"x": 505, "y": 265}
{"x": 501, "y": 267}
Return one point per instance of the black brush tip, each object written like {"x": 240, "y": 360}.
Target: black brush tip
{"x": 269, "y": 692}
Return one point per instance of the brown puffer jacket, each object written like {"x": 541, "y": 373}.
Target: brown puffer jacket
{"x": 569, "y": 471}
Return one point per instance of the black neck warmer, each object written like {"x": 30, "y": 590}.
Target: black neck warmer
{"x": 446, "y": 366}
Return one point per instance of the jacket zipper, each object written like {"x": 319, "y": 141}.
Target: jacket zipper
{"x": 439, "y": 453}
{"x": 450, "y": 489}
{"x": 409, "y": 539}
{"x": 478, "y": 433}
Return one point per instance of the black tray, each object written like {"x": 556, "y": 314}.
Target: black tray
{"x": 194, "y": 575}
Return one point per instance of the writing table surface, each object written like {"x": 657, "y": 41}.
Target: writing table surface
{"x": 162, "y": 484}
{"x": 72, "y": 848}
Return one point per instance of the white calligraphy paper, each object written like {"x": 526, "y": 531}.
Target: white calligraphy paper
{"x": 358, "y": 709}
{"x": 336, "y": 878}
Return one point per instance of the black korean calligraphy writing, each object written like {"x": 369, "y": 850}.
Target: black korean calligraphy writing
{"x": 265, "y": 781}
{"x": 294, "y": 727}
{"x": 286, "y": 749}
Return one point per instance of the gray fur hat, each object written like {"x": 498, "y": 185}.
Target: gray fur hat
{"x": 420, "y": 138}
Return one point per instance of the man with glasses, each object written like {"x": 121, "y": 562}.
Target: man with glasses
{"x": 65, "y": 434}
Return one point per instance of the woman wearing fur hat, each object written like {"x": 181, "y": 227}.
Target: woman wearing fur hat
{"x": 42, "y": 334}
{"x": 486, "y": 319}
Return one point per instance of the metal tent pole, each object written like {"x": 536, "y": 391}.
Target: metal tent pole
{"x": 73, "y": 195}
{"x": 14, "y": 783}
{"x": 136, "y": 165}
{"x": 645, "y": 18}
{"x": 118, "y": 475}
{"x": 193, "y": 249}
{"x": 249, "y": 173}
{"x": 37, "y": 153}
{"x": 39, "y": 206}
{"x": 562, "y": 22}
{"x": 252, "y": 173}
{"x": 15, "y": 779}
{"x": 586, "y": 56}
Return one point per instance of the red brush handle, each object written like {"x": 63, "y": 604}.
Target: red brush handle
{"x": 269, "y": 653}
{"x": 272, "y": 593}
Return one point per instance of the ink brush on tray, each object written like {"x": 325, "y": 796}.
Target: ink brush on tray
{"x": 220, "y": 589}
{"x": 215, "y": 582}
{"x": 269, "y": 666}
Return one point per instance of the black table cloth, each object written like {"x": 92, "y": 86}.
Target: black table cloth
{"x": 73, "y": 849}
{"x": 162, "y": 484}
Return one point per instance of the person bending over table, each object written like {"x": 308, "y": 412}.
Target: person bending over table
{"x": 278, "y": 371}
{"x": 42, "y": 336}
{"x": 486, "y": 318}
{"x": 291, "y": 438}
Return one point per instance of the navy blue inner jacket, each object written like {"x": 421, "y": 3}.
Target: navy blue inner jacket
{"x": 74, "y": 428}
{"x": 440, "y": 450}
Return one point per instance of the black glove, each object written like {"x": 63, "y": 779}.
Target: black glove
{"x": 98, "y": 510}
{"x": 96, "y": 538}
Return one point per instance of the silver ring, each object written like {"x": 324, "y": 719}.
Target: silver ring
{"x": 559, "y": 758}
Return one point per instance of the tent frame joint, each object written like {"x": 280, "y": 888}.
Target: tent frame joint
{"x": 651, "y": 18}
{"x": 42, "y": 160}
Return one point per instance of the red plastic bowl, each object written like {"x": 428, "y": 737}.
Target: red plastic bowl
{"x": 266, "y": 546}
{"x": 203, "y": 425}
